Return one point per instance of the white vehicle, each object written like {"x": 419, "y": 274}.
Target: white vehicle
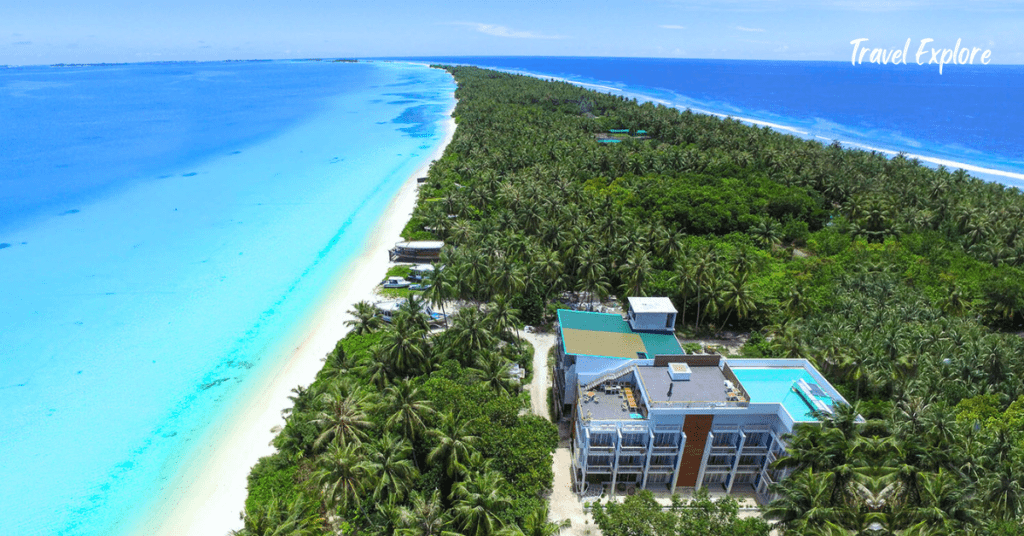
{"x": 395, "y": 282}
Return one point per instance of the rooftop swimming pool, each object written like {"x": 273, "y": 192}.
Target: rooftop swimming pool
{"x": 766, "y": 385}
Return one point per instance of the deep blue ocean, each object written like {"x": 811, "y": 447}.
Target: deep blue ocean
{"x": 967, "y": 116}
{"x": 166, "y": 230}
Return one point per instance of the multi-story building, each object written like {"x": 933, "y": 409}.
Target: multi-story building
{"x": 646, "y": 414}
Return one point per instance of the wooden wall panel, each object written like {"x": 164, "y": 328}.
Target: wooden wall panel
{"x": 696, "y": 428}
{"x": 710, "y": 360}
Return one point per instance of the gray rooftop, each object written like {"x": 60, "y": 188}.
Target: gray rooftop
{"x": 606, "y": 407}
{"x": 706, "y": 384}
{"x": 651, "y": 305}
{"x": 421, "y": 244}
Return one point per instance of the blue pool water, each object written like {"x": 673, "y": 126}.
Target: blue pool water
{"x": 968, "y": 117}
{"x": 766, "y": 385}
{"x": 171, "y": 227}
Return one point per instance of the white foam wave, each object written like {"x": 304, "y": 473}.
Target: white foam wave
{"x": 923, "y": 158}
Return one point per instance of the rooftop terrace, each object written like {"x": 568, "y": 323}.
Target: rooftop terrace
{"x": 706, "y": 384}
{"x": 608, "y": 335}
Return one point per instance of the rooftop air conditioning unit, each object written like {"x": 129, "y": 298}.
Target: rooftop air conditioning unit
{"x": 679, "y": 371}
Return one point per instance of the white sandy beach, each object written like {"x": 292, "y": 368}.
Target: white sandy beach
{"x": 207, "y": 497}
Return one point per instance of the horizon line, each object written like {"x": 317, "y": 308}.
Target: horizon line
{"x": 404, "y": 58}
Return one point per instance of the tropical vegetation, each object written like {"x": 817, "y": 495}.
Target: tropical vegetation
{"x": 904, "y": 285}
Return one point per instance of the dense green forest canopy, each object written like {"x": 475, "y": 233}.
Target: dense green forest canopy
{"x": 903, "y": 284}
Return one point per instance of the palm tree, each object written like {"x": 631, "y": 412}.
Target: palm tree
{"x": 478, "y": 503}
{"x": 509, "y": 279}
{"x": 365, "y": 319}
{"x": 550, "y": 269}
{"x": 634, "y": 273}
{"x": 805, "y": 504}
{"x": 341, "y": 417}
{"x": 1003, "y": 490}
{"x": 738, "y": 297}
{"x": 408, "y": 408}
{"x": 536, "y": 523}
{"x": 946, "y": 504}
{"x": 683, "y": 278}
{"x": 702, "y": 267}
{"x": 503, "y": 317}
{"x": 405, "y": 347}
{"x": 455, "y": 444}
{"x": 275, "y": 518}
{"x": 440, "y": 290}
{"x": 795, "y": 303}
{"x": 469, "y": 331}
{"x": 416, "y": 309}
{"x": 670, "y": 246}
{"x": 424, "y": 517}
{"x": 493, "y": 369}
{"x": 767, "y": 232}
{"x": 389, "y": 461}
{"x": 342, "y": 474}
{"x": 590, "y": 272}
{"x": 954, "y": 302}
{"x": 375, "y": 368}
{"x": 290, "y": 441}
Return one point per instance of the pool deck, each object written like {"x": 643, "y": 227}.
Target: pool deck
{"x": 771, "y": 382}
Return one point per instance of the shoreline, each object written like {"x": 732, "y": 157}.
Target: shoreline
{"x": 991, "y": 174}
{"x": 208, "y": 494}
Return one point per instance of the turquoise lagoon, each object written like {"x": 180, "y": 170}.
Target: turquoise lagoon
{"x": 165, "y": 229}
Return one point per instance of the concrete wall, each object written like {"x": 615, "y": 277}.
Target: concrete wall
{"x": 652, "y": 321}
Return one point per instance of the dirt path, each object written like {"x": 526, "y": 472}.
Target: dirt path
{"x": 564, "y": 504}
{"x": 542, "y": 343}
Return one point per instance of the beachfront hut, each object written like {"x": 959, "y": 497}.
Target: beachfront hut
{"x": 421, "y": 271}
{"x": 416, "y": 251}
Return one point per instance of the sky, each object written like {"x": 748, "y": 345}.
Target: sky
{"x": 90, "y": 31}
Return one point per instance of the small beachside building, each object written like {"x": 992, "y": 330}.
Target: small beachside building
{"x": 656, "y": 315}
{"x": 420, "y": 272}
{"x": 645, "y": 414}
{"x": 420, "y": 251}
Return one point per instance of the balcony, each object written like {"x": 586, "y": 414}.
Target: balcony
{"x": 661, "y": 469}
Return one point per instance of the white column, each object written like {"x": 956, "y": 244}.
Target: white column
{"x": 736, "y": 462}
{"x": 704, "y": 461}
{"x": 679, "y": 460}
{"x": 647, "y": 464}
